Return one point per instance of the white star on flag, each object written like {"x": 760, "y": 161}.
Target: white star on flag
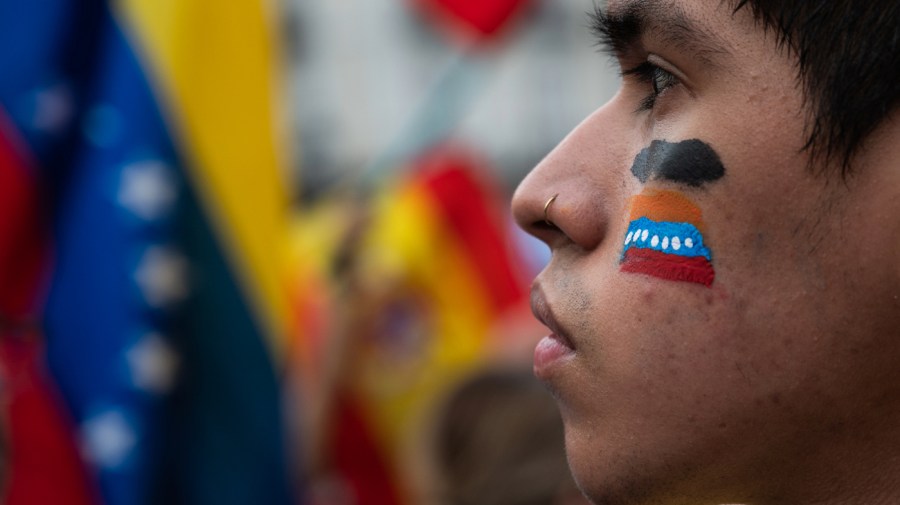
{"x": 52, "y": 108}
{"x": 162, "y": 277}
{"x": 108, "y": 439}
{"x": 147, "y": 189}
{"x": 153, "y": 364}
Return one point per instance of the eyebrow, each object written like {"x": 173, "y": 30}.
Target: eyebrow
{"x": 621, "y": 30}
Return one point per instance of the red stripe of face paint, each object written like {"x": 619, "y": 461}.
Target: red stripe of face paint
{"x": 669, "y": 266}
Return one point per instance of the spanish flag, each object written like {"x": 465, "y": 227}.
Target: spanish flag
{"x": 424, "y": 277}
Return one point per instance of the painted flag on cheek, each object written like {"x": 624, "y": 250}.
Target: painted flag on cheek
{"x": 665, "y": 239}
{"x": 161, "y": 197}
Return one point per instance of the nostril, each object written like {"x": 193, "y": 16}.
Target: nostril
{"x": 547, "y": 232}
{"x": 562, "y": 212}
{"x": 567, "y": 218}
{"x": 538, "y": 212}
{"x": 545, "y": 226}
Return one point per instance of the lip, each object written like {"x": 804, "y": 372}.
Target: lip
{"x": 555, "y": 348}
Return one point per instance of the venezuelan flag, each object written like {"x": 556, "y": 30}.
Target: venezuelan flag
{"x": 155, "y": 144}
{"x": 34, "y": 419}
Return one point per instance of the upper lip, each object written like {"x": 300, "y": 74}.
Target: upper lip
{"x": 544, "y": 313}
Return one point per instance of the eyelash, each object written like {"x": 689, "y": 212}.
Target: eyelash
{"x": 659, "y": 79}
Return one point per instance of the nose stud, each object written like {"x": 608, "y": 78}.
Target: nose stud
{"x": 547, "y": 209}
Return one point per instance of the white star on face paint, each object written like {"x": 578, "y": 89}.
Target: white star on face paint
{"x": 153, "y": 364}
{"x": 108, "y": 439}
{"x": 162, "y": 277}
{"x": 147, "y": 189}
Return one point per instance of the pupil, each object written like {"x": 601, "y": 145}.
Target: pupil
{"x": 659, "y": 81}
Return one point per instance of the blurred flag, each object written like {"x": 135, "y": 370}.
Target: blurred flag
{"x": 426, "y": 281}
{"x": 44, "y": 465}
{"x": 157, "y": 156}
{"x": 473, "y": 20}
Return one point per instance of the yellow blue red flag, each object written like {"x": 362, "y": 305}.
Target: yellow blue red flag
{"x": 144, "y": 145}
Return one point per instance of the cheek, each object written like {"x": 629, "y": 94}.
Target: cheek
{"x": 675, "y": 328}
{"x": 663, "y": 339}
{"x": 684, "y": 351}
{"x": 752, "y": 128}
{"x": 767, "y": 225}
{"x": 673, "y": 377}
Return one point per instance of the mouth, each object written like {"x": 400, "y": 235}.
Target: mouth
{"x": 556, "y": 347}
{"x": 665, "y": 239}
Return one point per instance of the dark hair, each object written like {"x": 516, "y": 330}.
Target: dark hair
{"x": 848, "y": 62}
{"x": 499, "y": 441}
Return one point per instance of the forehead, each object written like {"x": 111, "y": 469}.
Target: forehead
{"x": 711, "y": 16}
{"x": 710, "y": 31}
{"x": 696, "y": 6}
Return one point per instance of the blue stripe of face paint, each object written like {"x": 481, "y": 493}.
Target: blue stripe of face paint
{"x": 681, "y": 239}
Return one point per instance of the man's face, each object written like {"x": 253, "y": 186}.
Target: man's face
{"x": 719, "y": 308}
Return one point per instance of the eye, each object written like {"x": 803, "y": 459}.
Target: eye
{"x": 661, "y": 80}
{"x": 658, "y": 78}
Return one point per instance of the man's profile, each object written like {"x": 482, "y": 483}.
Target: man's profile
{"x": 724, "y": 288}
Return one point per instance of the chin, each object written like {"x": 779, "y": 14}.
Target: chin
{"x": 625, "y": 475}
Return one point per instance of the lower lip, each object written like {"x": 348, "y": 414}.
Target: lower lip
{"x": 550, "y": 351}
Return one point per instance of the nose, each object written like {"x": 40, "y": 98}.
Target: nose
{"x": 584, "y": 174}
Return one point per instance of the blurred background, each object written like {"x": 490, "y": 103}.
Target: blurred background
{"x": 260, "y": 251}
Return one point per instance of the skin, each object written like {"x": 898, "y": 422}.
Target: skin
{"x": 780, "y": 383}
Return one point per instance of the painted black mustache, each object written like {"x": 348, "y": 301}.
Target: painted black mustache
{"x": 692, "y": 162}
